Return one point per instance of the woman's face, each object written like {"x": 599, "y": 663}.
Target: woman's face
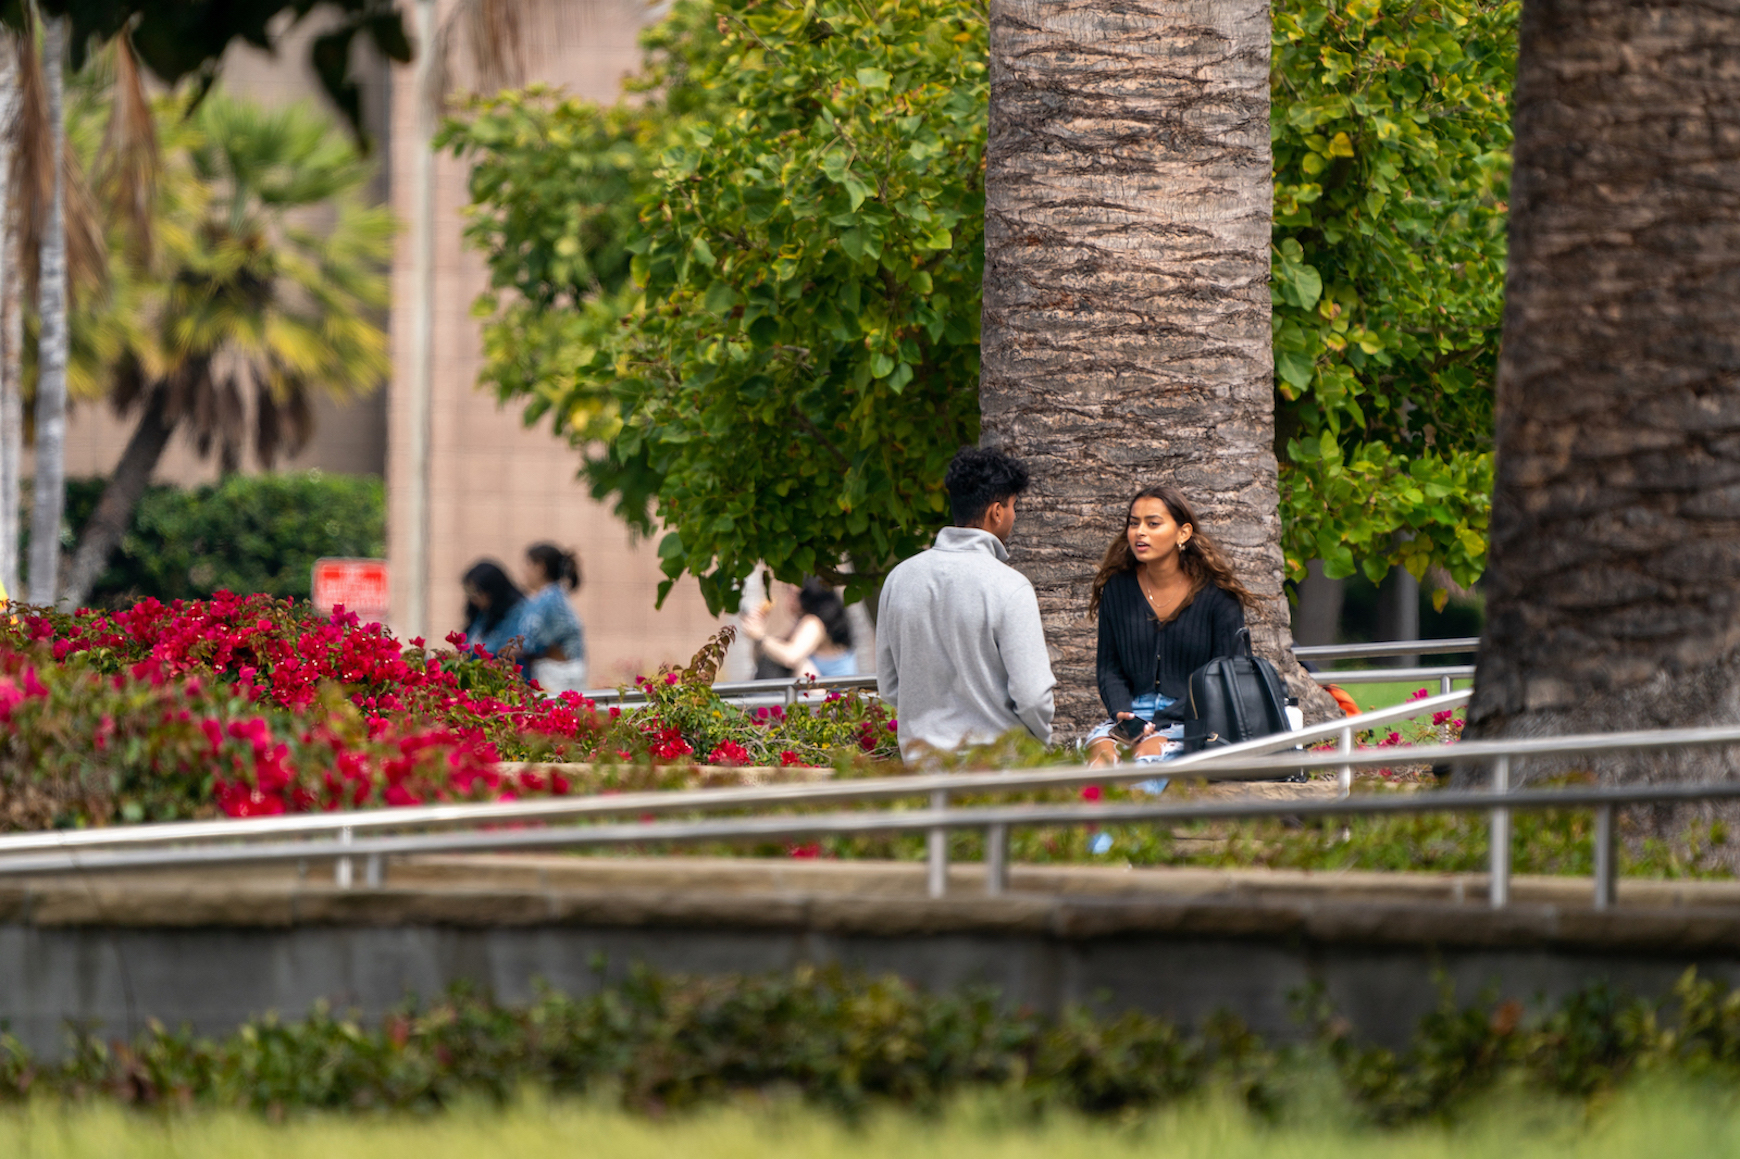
{"x": 475, "y": 597}
{"x": 1153, "y": 534}
{"x": 536, "y": 576}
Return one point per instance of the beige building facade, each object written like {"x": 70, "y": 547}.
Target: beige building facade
{"x": 496, "y": 486}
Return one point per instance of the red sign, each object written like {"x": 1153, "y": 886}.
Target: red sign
{"x": 359, "y": 584}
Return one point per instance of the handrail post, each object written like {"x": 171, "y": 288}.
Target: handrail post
{"x": 1345, "y": 776}
{"x": 1606, "y": 858}
{"x": 1498, "y": 887}
{"x": 1444, "y": 686}
{"x": 341, "y": 870}
{"x": 374, "y": 870}
{"x": 937, "y": 853}
{"x": 996, "y": 859}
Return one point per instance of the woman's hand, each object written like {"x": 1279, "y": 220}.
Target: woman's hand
{"x": 754, "y": 622}
{"x": 1147, "y": 731}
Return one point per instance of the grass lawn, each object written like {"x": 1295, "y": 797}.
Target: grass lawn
{"x": 1661, "y": 1123}
{"x": 1374, "y": 696}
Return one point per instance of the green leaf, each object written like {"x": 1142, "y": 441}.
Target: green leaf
{"x": 1296, "y": 369}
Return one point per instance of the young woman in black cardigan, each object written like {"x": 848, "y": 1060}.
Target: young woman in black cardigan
{"x": 1168, "y": 603}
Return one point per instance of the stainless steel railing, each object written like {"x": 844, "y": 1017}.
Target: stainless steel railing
{"x": 1455, "y": 645}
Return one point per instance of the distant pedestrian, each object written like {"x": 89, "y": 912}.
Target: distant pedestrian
{"x": 494, "y": 606}
{"x": 960, "y": 651}
{"x": 555, "y": 641}
{"x": 1168, "y": 602}
{"x": 821, "y": 641}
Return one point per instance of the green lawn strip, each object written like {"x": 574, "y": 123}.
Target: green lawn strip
{"x": 1665, "y": 1123}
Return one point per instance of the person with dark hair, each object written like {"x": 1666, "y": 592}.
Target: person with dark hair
{"x": 1168, "y": 602}
{"x": 822, "y": 640}
{"x": 494, "y": 606}
{"x": 960, "y": 650}
{"x": 555, "y": 642}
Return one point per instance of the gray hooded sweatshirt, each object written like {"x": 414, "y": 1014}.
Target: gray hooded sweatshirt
{"x": 960, "y": 652}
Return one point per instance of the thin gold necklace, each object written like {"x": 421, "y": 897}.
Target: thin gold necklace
{"x": 1149, "y": 596}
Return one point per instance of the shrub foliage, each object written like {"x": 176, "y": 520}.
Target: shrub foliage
{"x": 849, "y": 1042}
{"x": 245, "y": 533}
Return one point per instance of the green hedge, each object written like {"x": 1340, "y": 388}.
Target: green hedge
{"x": 850, "y": 1043}
{"x": 245, "y": 534}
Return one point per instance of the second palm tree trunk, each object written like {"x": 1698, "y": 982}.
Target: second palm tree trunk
{"x": 11, "y": 327}
{"x": 49, "y": 495}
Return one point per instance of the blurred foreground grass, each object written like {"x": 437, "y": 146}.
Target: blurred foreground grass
{"x": 1657, "y": 1121}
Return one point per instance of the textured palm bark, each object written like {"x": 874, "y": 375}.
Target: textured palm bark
{"x": 48, "y": 495}
{"x": 1126, "y": 319}
{"x": 1613, "y": 593}
{"x": 11, "y": 331}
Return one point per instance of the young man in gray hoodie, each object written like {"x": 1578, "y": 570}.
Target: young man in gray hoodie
{"x": 960, "y": 652}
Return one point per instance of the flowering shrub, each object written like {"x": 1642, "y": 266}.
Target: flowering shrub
{"x": 251, "y": 705}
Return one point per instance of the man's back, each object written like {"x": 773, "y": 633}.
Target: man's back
{"x": 960, "y": 651}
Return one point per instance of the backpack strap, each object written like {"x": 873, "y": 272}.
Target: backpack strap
{"x": 1229, "y": 679}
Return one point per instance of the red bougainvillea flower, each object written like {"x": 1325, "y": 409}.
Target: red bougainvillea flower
{"x": 730, "y": 754}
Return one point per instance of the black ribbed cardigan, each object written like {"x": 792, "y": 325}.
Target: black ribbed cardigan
{"x": 1139, "y": 654}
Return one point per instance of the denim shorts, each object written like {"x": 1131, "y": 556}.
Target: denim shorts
{"x": 1146, "y": 706}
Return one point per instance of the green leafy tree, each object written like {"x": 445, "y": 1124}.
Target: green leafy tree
{"x": 752, "y": 297}
{"x": 1392, "y": 138}
{"x": 794, "y": 367}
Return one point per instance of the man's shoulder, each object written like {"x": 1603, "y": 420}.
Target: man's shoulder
{"x": 978, "y": 567}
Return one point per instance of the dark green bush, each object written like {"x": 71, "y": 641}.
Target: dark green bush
{"x": 244, "y": 534}
{"x": 848, "y": 1042}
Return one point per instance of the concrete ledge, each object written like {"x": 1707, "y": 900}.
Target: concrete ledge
{"x": 885, "y": 899}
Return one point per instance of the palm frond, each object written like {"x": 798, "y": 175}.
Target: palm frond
{"x": 130, "y": 158}
{"x": 33, "y": 182}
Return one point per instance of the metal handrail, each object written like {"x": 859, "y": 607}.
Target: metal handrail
{"x": 993, "y": 818}
{"x": 1447, "y": 647}
{"x": 1205, "y": 764}
{"x": 1443, "y": 675}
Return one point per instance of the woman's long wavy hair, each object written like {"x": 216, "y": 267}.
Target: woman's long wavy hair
{"x": 1200, "y": 557}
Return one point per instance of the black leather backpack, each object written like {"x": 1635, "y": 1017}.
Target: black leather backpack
{"x": 1233, "y": 699}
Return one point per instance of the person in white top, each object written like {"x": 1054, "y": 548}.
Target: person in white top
{"x": 960, "y": 650}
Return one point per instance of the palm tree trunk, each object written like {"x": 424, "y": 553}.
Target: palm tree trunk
{"x": 1126, "y": 340}
{"x": 11, "y": 327}
{"x": 49, "y": 494}
{"x": 1613, "y": 591}
{"x": 114, "y": 511}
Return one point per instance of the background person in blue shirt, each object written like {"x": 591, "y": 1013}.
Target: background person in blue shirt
{"x": 494, "y": 606}
{"x": 555, "y": 643}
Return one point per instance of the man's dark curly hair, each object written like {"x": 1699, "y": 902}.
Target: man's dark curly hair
{"x": 979, "y": 477}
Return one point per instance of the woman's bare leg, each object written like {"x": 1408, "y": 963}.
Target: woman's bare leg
{"x": 1151, "y": 746}
{"x": 1103, "y": 752}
